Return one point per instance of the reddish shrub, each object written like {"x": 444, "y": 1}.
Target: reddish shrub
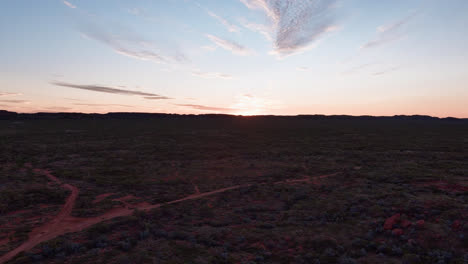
{"x": 397, "y": 232}
{"x": 420, "y": 223}
{"x": 391, "y": 221}
{"x": 405, "y": 223}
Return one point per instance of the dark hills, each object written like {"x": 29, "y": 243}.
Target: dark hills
{"x": 7, "y": 115}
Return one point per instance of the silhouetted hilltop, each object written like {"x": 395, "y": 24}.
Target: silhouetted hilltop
{"x": 7, "y": 115}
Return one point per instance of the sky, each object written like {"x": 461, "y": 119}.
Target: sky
{"x": 242, "y": 57}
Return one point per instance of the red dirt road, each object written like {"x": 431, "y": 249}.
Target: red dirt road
{"x": 64, "y": 223}
{"x": 101, "y": 197}
{"x": 51, "y": 229}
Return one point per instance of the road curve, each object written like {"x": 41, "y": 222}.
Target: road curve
{"x": 64, "y": 223}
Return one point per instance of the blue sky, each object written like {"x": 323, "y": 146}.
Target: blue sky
{"x": 357, "y": 57}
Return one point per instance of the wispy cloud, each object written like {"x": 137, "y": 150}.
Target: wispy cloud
{"x": 229, "y": 26}
{"x": 266, "y": 31}
{"x": 56, "y": 108}
{"x": 157, "y": 98}
{"x": 104, "y": 105}
{"x": 211, "y": 75}
{"x": 389, "y": 33}
{"x": 2, "y": 94}
{"x": 297, "y": 24}
{"x": 15, "y": 101}
{"x": 73, "y": 99}
{"x": 230, "y": 46}
{"x": 130, "y": 44}
{"x": 392, "y": 69}
{"x": 105, "y": 89}
{"x": 70, "y": 5}
{"x": 142, "y": 13}
{"x": 208, "y": 108}
{"x": 358, "y": 68}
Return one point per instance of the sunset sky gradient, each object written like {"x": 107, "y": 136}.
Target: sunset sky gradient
{"x": 246, "y": 57}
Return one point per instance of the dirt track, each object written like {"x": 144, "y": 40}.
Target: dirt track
{"x": 64, "y": 223}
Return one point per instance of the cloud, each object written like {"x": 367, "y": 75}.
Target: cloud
{"x": 104, "y": 105}
{"x": 57, "y": 108}
{"x": 358, "y": 68}
{"x": 389, "y": 33}
{"x": 2, "y": 94}
{"x": 208, "y": 108}
{"x": 70, "y": 5}
{"x": 130, "y": 44}
{"x": 264, "y": 30}
{"x": 16, "y": 101}
{"x": 229, "y": 26}
{"x": 144, "y": 55}
{"x": 104, "y": 89}
{"x": 392, "y": 69}
{"x": 157, "y": 98}
{"x": 297, "y": 25}
{"x": 142, "y": 13}
{"x": 230, "y": 46}
{"x": 211, "y": 75}
{"x": 73, "y": 99}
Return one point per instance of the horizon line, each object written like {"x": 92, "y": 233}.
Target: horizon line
{"x": 234, "y": 115}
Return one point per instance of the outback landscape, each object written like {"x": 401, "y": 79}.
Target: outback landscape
{"x": 140, "y": 188}
{"x": 233, "y": 132}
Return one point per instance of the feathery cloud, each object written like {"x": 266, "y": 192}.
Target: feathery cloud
{"x": 389, "y": 33}
{"x": 157, "y": 98}
{"x": 56, "y": 109}
{"x": 143, "y": 14}
{"x": 15, "y": 101}
{"x": 104, "y": 89}
{"x": 132, "y": 45}
{"x": 208, "y": 108}
{"x": 297, "y": 24}
{"x": 358, "y": 68}
{"x": 229, "y": 26}
{"x": 70, "y": 5}
{"x": 211, "y": 75}
{"x": 104, "y": 105}
{"x": 2, "y": 94}
{"x": 262, "y": 29}
{"x": 392, "y": 69}
{"x": 230, "y": 46}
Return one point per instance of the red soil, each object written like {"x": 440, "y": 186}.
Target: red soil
{"x": 126, "y": 198}
{"x": 18, "y": 212}
{"x": 101, "y": 197}
{"x": 64, "y": 223}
